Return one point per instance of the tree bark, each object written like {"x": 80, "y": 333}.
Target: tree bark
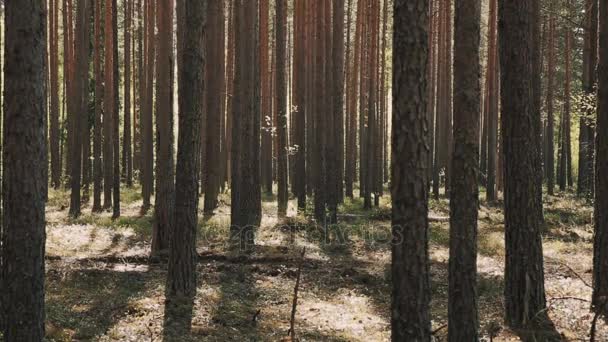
{"x": 97, "y": 143}
{"x": 181, "y": 275}
{"x": 587, "y": 131}
{"x": 79, "y": 116}
{"x": 24, "y": 182}
{"x": 165, "y": 167}
{"x": 550, "y": 165}
{"x": 410, "y": 319}
{"x": 214, "y": 93}
{"x": 600, "y": 250}
{"x": 147, "y": 117}
{"x": 524, "y": 275}
{"x": 463, "y": 320}
{"x": 245, "y": 194}
{"x": 54, "y": 96}
{"x": 108, "y": 149}
{"x": 127, "y": 156}
{"x": 281, "y": 87}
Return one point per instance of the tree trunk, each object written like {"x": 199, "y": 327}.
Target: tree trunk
{"x": 147, "y": 121}
{"x": 165, "y": 168}
{"x": 213, "y": 92}
{"x": 97, "y": 164}
{"x": 246, "y": 196}
{"x": 266, "y": 95}
{"x": 280, "y": 22}
{"x": 115, "y": 115}
{"x": 181, "y": 274}
{"x": 492, "y": 99}
{"x": 108, "y": 113}
{"x": 550, "y": 165}
{"x": 524, "y": 275}
{"x": 567, "y": 94}
{"x": 81, "y": 111}
{"x": 463, "y": 318}
{"x": 410, "y": 259}
{"x": 54, "y": 96}
{"x": 587, "y": 131}
{"x": 24, "y": 183}
{"x": 600, "y": 246}
{"x": 299, "y": 181}
{"x": 127, "y": 156}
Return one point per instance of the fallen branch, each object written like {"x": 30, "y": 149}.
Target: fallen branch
{"x": 292, "y": 330}
{"x": 573, "y": 272}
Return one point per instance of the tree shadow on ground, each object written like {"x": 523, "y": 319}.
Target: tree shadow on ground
{"x": 177, "y": 323}
{"x": 87, "y": 303}
{"x": 236, "y": 316}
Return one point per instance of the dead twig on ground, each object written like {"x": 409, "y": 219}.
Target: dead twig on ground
{"x": 292, "y": 330}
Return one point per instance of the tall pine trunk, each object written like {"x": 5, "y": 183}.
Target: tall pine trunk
{"x": 463, "y": 318}
{"x": 246, "y": 195}
{"x": 586, "y": 130}
{"x": 165, "y": 167}
{"x": 213, "y": 92}
{"x": 181, "y": 274}
{"x": 24, "y": 182}
{"x": 524, "y": 275}
{"x": 97, "y": 142}
{"x": 411, "y": 291}
{"x": 281, "y": 88}
{"x": 600, "y": 246}
{"x": 127, "y": 156}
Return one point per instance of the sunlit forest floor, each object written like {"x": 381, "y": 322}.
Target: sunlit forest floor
{"x": 102, "y": 287}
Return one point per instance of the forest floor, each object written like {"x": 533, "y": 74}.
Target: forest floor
{"x": 102, "y": 287}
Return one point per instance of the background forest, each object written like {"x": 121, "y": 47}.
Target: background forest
{"x": 311, "y": 170}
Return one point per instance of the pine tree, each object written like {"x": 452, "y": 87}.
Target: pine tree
{"x": 108, "y": 108}
{"x": 214, "y": 108}
{"x": 520, "y": 135}
{"x": 127, "y": 156}
{"x": 463, "y": 318}
{"x": 165, "y": 167}
{"x": 550, "y": 157}
{"x": 181, "y": 274}
{"x": 79, "y": 116}
{"x": 54, "y": 93}
{"x": 245, "y": 178}
{"x": 24, "y": 181}
{"x": 600, "y": 252}
{"x": 410, "y": 319}
{"x": 97, "y": 142}
{"x": 586, "y": 130}
{"x": 281, "y": 88}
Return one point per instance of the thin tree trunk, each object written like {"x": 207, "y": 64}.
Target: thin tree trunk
{"x": 246, "y": 195}
{"x": 586, "y": 131}
{"x": 115, "y": 116}
{"x": 181, "y": 274}
{"x": 281, "y": 87}
{"x": 165, "y": 167}
{"x": 550, "y": 115}
{"x": 54, "y": 96}
{"x": 214, "y": 92}
{"x": 79, "y": 116}
{"x": 463, "y": 319}
{"x": 600, "y": 251}
{"x": 97, "y": 164}
{"x": 147, "y": 116}
{"x": 108, "y": 150}
{"x": 127, "y": 156}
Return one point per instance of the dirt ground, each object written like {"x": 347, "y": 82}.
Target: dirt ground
{"x": 102, "y": 287}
